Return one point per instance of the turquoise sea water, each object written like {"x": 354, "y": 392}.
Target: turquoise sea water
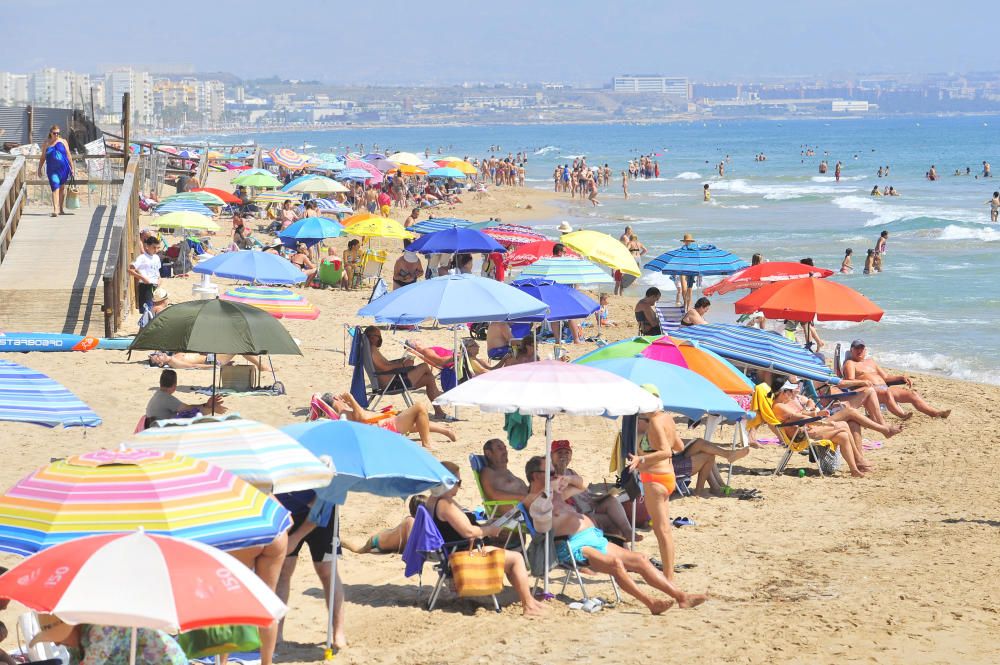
{"x": 939, "y": 289}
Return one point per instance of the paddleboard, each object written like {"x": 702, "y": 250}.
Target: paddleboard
{"x": 24, "y": 342}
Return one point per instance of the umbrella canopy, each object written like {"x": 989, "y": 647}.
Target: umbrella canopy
{"x": 407, "y": 158}
{"x": 602, "y": 248}
{"x": 329, "y": 205}
{"x": 199, "y": 195}
{"x": 279, "y": 303}
{"x": 564, "y": 302}
{"x": 374, "y": 226}
{"x": 763, "y": 274}
{"x": 311, "y": 230}
{"x": 810, "y": 299}
{"x": 435, "y": 224}
{"x": 215, "y": 326}
{"x": 262, "y": 455}
{"x": 697, "y": 260}
{"x": 381, "y": 163}
{"x": 252, "y": 266}
{"x": 715, "y": 368}
{"x": 158, "y": 582}
{"x": 512, "y": 235}
{"x": 184, "y": 220}
{"x": 455, "y": 240}
{"x": 651, "y": 347}
{"x": 446, "y": 172}
{"x": 460, "y": 164}
{"x": 681, "y": 390}
{"x": 116, "y": 491}
{"x": 567, "y": 270}
{"x": 527, "y": 253}
{"x": 264, "y": 180}
{"x": 757, "y": 348}
{"x": 406, "y": 169}
{"x": 370, "y": 459}
{"x": 276, "y": 197}
{"x": 224, "y": 196}
{"x": 373, "y": 173}
{"x": 288, "y": 158}
{"x": 184, "y": 205}
{"x": 354, "y": 173}
{"x": 28, "y": 396}
{"x": 453, "y": 299}
{"x": 314, "y": 184}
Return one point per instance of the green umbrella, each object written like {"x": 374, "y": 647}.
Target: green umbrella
{"x": 207, "y": 198}
{"x": 263, "y": 180}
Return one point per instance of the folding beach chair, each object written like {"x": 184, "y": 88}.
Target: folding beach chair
{"x": 668, "y": 316}
{"x": 371, "y": 265}
{"x": 792, "y": 435}
{"x": 396, "y": 385}
{"x": 495, "y": 508}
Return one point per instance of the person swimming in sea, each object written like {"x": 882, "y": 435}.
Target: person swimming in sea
{"x": 706, "y": 195}
{"x": 846, "y": 267}
{"x": 870, "y": 262}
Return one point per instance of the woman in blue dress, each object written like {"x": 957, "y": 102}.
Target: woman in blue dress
{"x": 58, "y": 168}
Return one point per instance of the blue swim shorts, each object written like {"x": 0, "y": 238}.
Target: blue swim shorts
{"x": 592, "y": 537}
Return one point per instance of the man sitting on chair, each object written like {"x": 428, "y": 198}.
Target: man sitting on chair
{"x": 645, "y": 313}
{"x": 588, "y": 546}
{"x": 606, "y": 512}
{"x": 859, "y": 366}
{"x": 419, "y": 376}
{"x": 499, "y": 483}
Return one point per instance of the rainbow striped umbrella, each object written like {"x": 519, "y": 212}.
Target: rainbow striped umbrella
{"x": 279, "y": 303}
{"x": 276, "y": 197}
{"x": 288, "y": 158}
{"x": 115, "y": 491}
{"x": 262, "y": 455}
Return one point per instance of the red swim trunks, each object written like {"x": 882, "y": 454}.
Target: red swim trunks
{"x": 389, "y": 424}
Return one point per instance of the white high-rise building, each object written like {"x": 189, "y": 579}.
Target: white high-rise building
{"x": 675, "y": 86}
{"x": 59, "y": 88}
{"x": 13, "y": 89}
{"x": 139, "y": 85}
{"x": 213, "y": 99}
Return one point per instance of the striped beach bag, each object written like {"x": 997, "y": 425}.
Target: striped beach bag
{"x": 477, "y": 572}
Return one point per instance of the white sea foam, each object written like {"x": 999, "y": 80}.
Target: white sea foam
{"x": 937, "y": 363}
{"x": 546, "y": 150}
{"x": 688, "y": 175}
{"x": 885, "y": 212}
{"x": 665, "y": 195}
{"x": 952, "y": 232}
{"x": 830, "y": 178}
{"x": 777, "y": 192}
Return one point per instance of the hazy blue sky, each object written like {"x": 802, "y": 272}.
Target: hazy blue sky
{"x": 529, "y": 40}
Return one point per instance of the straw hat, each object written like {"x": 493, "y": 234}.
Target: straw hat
{"x": 160, "y": 294}
{"x": 564, "y": 227}
{"x": 53, "y": 629}
{"x": 687, "y": 238}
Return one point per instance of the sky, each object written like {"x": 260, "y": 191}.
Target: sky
{"x": 576, "y": 41}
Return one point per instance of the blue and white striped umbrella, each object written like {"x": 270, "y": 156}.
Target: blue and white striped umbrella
{"x": 697, "y": 260}
{"x": 333, "y": 206}
{"x": 435, "y": 224}
{"x": 353, "y": 174}
{"x": 28, "y": 396}
{"x": 758, "y": 348}
{"x": 567, "y": 270}
{"x": 184, "y": 205}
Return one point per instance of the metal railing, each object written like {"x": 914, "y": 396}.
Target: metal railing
{"x": 13, "y": 195}
{"x": 119, "y": 287}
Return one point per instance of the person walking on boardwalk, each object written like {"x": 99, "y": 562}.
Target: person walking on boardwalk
{"x": 58, "y": 168}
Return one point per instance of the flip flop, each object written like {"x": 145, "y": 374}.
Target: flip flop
{"x": 656, "y": 563}
{"x": 750, "y": 495}
{"x": 684, "y": 566}
{"x": 683, "y": 521}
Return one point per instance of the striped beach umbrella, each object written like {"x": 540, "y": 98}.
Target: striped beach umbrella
{"x": 329, "y": 205}
{"x": 184, "y": 205}
{"x": 757, "y": 348}
{"x": 528, "y": 253}
{"x": 513, "y": 235}
{"x": 373, "y": 173}
{"x": 314, "y": 184}
{"x": 262, "y": 455}
{"x": 567, "y": 270}
{"x": 28, "y": 396}
{"x": 115, "y": 491}
{"x": 223, "y": 195}
{"x": 276, "y": 197}
{"x": 697, "y": 260}
{"x": 184, "y": 219}
{"x": 279, "y": 303}
{"x": 435, "y": 224}
{"x": 201, "y": 196}
{"x": 288, "y": 158}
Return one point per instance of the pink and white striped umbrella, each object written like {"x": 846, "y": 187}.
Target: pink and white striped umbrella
{"x": 139, "y": 580}
{"x": 377, "y": 175}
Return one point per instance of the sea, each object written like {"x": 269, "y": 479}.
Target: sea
{"x": 939, "y": 286}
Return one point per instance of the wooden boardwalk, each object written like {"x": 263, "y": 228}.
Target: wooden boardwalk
{"x": 51, "y": 279}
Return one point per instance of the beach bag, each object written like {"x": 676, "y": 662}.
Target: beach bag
{"x": 72, "y": 199}
{"x": 218, "y": 640}
{"x": 829, "y": 459}
{"x": 477, "y": 572}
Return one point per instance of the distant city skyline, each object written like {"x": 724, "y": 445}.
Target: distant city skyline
{"x": 583, "y": 42}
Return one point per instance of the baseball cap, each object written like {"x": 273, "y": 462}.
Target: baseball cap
{"x": 857, "y": 343}
{"x": 561, "y": 444}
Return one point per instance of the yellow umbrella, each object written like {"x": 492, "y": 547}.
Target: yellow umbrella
{"x": 407, "y": 158}
{"x": 602, "y": 248}
{"x": 184, "y": 220}
{"x": 462, "y": 165}
{"x": 373, "y": 226}
{"x": 406, "y": 169}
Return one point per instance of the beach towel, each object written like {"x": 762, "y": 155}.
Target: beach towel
{"x": 424, "y": 537}
{"x": 518, "y": 428}
{"x": 358, "y": 388}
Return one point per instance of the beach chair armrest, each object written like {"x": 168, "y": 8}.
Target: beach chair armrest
{"x": 799, "y": 423}
{"x": 837, "y": 396}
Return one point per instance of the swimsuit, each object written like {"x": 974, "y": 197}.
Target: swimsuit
{"x": 498, "y": 353}
{"x": 573, "y": 546}
{"x": 388, "y": 424}
{"x": 668, "y": 480}
{"x": 57, "y": 165}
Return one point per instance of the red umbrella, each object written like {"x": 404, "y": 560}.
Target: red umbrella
{"x": 228, "y": 197}
{"x": 527, "y": 254}
{"x": 762, "y": 274}
{"x": 810, "y": 299}
{"x": 512, "y": 235}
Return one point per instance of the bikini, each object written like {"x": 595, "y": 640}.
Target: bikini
{"x": 667, "y": 480}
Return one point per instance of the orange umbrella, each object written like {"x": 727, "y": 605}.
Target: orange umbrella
{"x": 726, "y": 378}
{"x": 810, "y": 299}
{"x": 406, "y": 169}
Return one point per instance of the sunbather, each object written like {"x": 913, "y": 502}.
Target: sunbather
{"x": 392, "y": 540}
{"x": 606, "y": 512}
{"x": 186, "y": 360}
{"x": 441, "y": 357}
{"x": 844, "y": 412}
{"x": 698, "y": 459}
{"x": 411, "y": 419}
{"x": 419, "y": 376}
{"x": 499, "y": 482}
{"x": 859, "y": 366}
{"x": 588, "y": 546}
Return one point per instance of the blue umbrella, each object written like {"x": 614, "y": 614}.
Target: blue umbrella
{"x": 454, "y": 299}
{"x": 28, "y": 396}
{"x": 697, "y": 260}
{"x": 564, "y": 301}
{"x": 311, "y": 230}
{"x": 681, "y": 390}
{"x": 372, "y": 156}
{"x": 456, "y": 240}
{"x": 757, "y": 348}
{"x": 332, "y": 206}
{"x": 446, "y": 172}
{"x": 251, "y": 266}
{"x": 353, "y": 174}
{"x": 435, "y": 224}
{"x": 184, "y": 205}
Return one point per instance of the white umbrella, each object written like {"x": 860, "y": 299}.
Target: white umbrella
{"x": 548, "y": 388}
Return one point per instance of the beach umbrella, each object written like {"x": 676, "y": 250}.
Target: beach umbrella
{"x": 763, "y": 274}
{"x": 198, "y": 195}
{"x": 288, "y": 158}
{"x": 276, "y": 197}
{"x": 184, "y": 205}
{"x": 314, "y": 184}
{"x": 512, "y": 235}
{"x": 279, "y": 303}
{"x": 681, "y": 390}
{"x": 602, "y": 248}
{"x": 184, "y": 220}
{"x": 567, "y": 270}
{"x": 369, "y": 459}
{"x": 329, "y": 205}
{"x": 435, "y": 224}
{"x": 446, "y": 172}
{"x": 757, "y": 348}
{"x": 810, "y": 299}
{"x": 528, "y": 253}
{"x": 222, "y": 195}
{"x": 406, "y": 169}
{"x": 407, "y": 158}
{"x": 374, "y": 226}
{"x": 358, "y": 164}
{"x": 246, "y": 170}
{"x": 262, "y": 455}
{"x": 351, "y": 173}
{"x": 116, "y": 491}
{"x": 372, "y": 156}
{"x": 651, "y": 347}
{"x": 311, "y": 230}
{"x": 564, "y": 302}
{"x": 380, "y": 163}
{"x": 460, "y": 164}
{"x": 697, "y": 260}
{"x": 726, "y": 376}
{"x": 453, "y": 299}
{"x": 28, "y": 396}
{"x": 548, "y": 388}
{"x": 264, "y": 180}
{"x": 455, "y": 240}
{"x": 141, "y": 580}
{"x": 252, "y": 266}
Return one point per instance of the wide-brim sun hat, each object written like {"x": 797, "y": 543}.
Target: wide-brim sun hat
{"x": 565, "y": 227}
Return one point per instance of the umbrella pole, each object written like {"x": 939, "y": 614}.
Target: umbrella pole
{"x": 548, "y": 494}
{"x": 215, "y": 364}
{"x": 454, "y": 363}
{"x": 132, "y": 646}
{"x": 635, "y": 437}
{"x": 335, "y": 542}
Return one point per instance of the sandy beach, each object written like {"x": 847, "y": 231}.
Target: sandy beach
{"x": 896, "y": 567}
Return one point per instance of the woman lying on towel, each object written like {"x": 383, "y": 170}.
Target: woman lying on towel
{"x": 411, "y": 419}
{"x": 388, "y": 541}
